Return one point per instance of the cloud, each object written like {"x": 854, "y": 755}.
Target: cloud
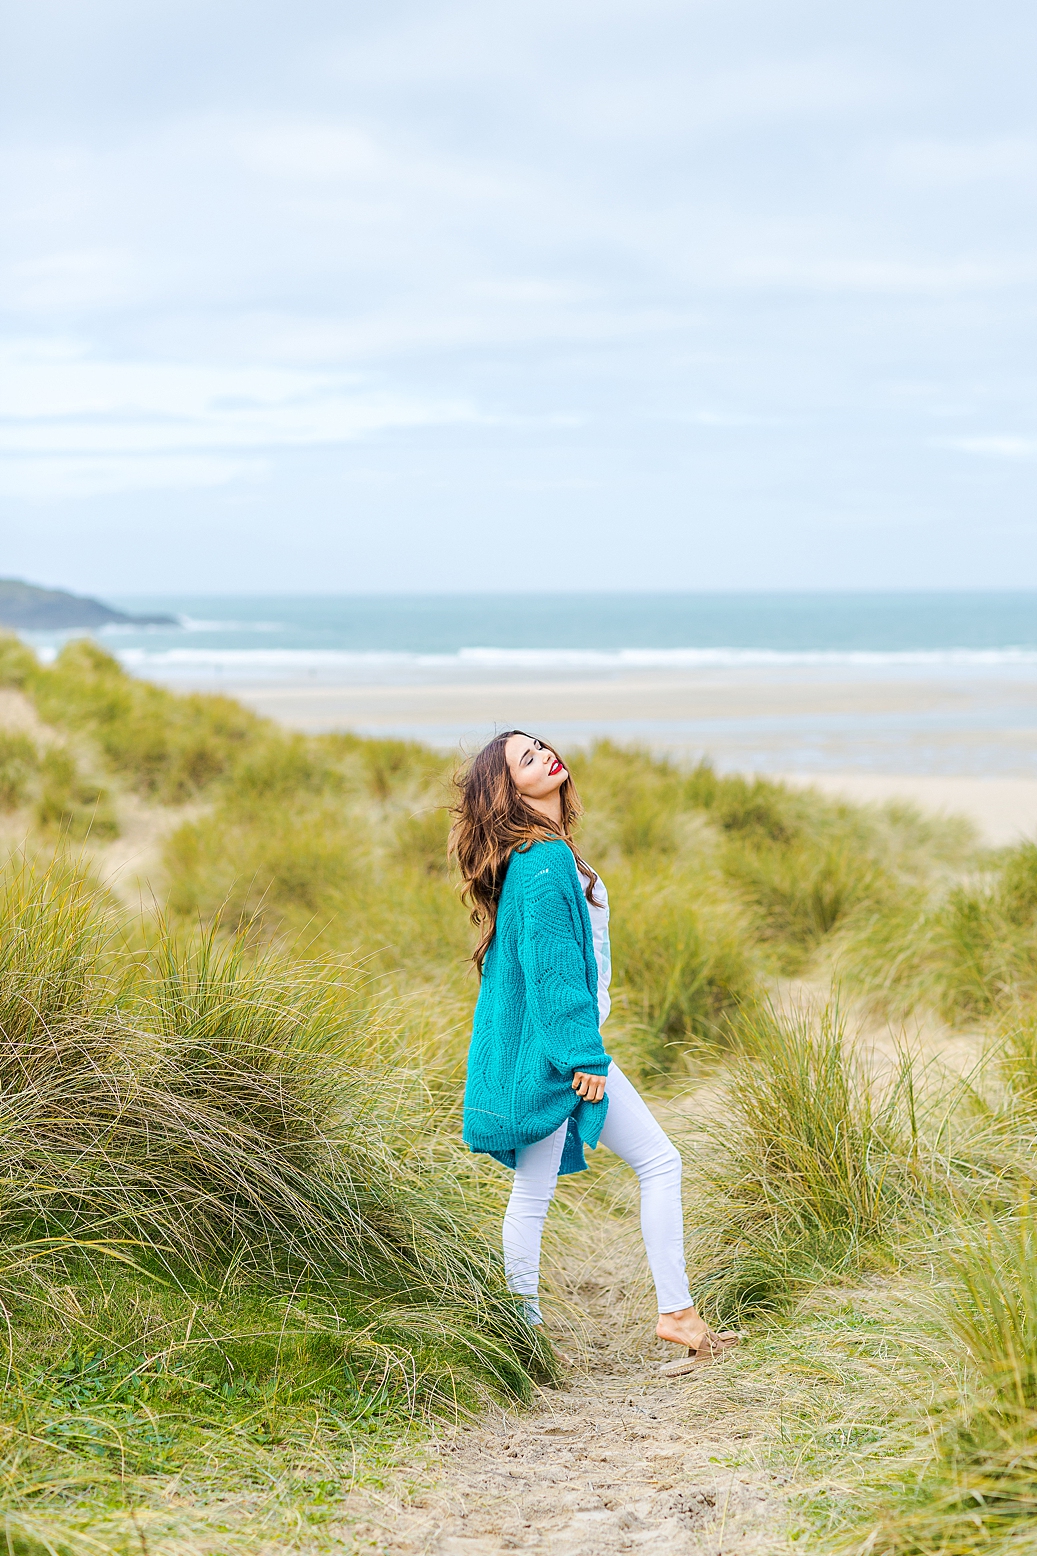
{"x": 834, "y": 272}
{"x": 688, "y": 96}
{"x": 495, "y": 246}
{"x": 64, "y": 477}
{"x": 949, "y": 163}
{"x": 97, "y": 277}
{"x": 63, "y": 402}
{"x": 311, "y": 151}
{"x": 993, "y": 445}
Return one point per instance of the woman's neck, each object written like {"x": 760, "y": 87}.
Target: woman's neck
{"x": 550, "y": 807}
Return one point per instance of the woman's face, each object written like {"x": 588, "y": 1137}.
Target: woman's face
{"x": 535, "y": 770}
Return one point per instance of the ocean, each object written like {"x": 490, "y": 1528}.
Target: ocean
{"x": 359, "y": 637}
{"x": 927, "y": 683}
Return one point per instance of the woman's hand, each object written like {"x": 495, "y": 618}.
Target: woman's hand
{"x": 590, "y": 1087}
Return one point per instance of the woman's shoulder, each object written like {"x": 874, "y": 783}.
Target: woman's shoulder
{"x": 546, "y": 852}
{"x": 547, "y": 859}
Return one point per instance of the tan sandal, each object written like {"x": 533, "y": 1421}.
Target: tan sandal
{"x": 712, "y": 1347}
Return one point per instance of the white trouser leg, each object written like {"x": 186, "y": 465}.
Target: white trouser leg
{"x": 633, "y": 1134}
{"x": 536, "y": 1173}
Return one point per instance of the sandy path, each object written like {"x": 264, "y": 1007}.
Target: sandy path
{"x": 618, "y": 1460}
{"x": 129, "y": 865}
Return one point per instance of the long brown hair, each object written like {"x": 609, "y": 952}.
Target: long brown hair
{"x": 492, "y": 821}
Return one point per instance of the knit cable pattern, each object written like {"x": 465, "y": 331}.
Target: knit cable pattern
{"x": 536, "y": 1020}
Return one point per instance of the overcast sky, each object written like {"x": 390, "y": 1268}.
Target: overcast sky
{"x": 327, "y": 296}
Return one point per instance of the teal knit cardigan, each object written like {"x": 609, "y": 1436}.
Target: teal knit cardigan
{"x": 536, "y": 1020}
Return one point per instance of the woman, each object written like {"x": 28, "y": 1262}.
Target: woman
{"x": 540, "y": 1084}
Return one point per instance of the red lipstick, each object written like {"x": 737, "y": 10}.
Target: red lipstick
{"x": 555, "y": 767}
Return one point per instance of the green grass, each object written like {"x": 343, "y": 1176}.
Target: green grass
{"x": 816, "y": 1170}
{"x": 227, "y": 1222}
{"x": 64, "y": 801}
{"x": 19, "y": 764}
{"x": 967, "y": 1483}
{"x": 212, "y": 1419}
{"x": 163, "y": 746}
{"x": 70, "y": 804}
{"x": 683, "y": 965}
{"x": 917, "y": 1432}
{"x": 212, "y": 1108}
{"x": 966, "y": 949}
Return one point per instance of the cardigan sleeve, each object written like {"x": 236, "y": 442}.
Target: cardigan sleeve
{"x": 563, "y": 1009}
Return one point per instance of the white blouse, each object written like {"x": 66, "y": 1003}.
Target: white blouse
{"x": 599, "y": 913}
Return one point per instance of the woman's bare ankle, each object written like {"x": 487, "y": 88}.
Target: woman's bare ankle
{"x": 685, "y": 1327}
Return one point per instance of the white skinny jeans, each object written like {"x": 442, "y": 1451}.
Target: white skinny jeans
{"x": 633, "y": 1134}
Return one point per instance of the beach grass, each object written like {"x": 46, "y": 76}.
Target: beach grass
{"x": 228, "y": 1224}
{"x": 19, "y": 763}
